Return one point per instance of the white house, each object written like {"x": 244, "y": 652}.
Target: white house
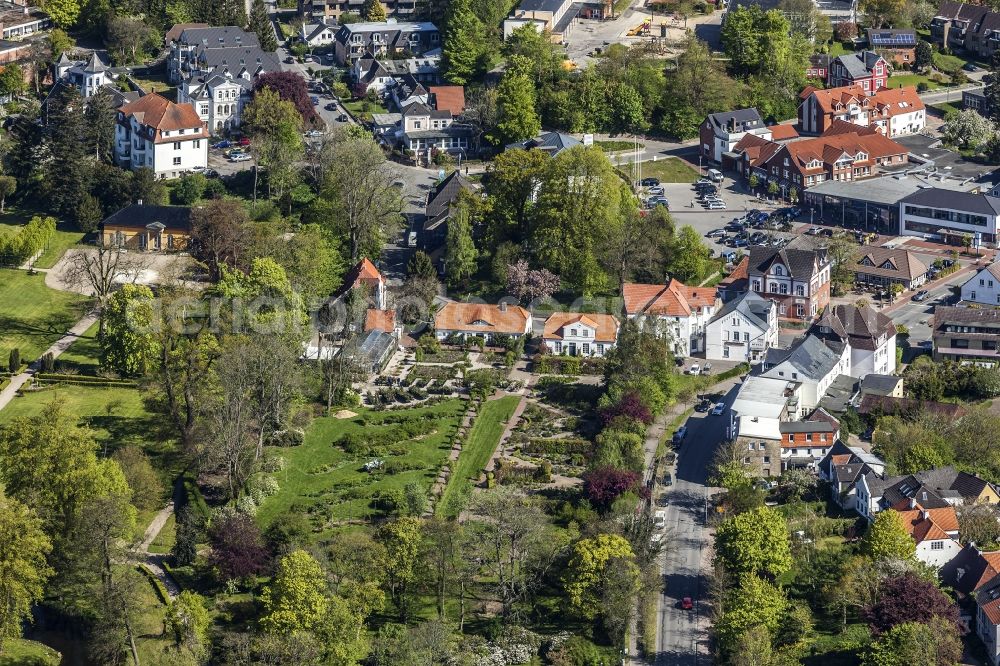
{"x": 217, "y": 99}
{"x": 935, "y": 532}
{"x": 934, "y": 212}
{"x": 984, "y": 286}
{"x": 481, "y": 320}
{"x": 811, "y": 365}
{"x": 88, "y": 76}
{"x": 675, "y": 310}
{"x": 154, "y": 132}
{"x": 579, "y": 334}
{"x": 720, "y": 132}
{"x": 317, "y": 34}
{"x": 744, "y": 329}
{"x": 870, "y": 334}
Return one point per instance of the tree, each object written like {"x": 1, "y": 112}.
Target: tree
{"x": 128, "y": 342}
{"x": 221, "y": 234}
{"x": 460, "y": 252}
{"x": 755, "y": 542}
{"x": 518, "y": 119}
{"x": 420, "y": 266}
{"x": 909, "y": 598}
{"x": 625, "y": 104}
{"x": 968, "y": 129}
{"x": 59, "y": 43}
{"x": 14, "y": 361}
{"x": 189, "y": 619}
{"x": 923, "y": 55}
{"x": 373, "y": 11}
{"x": 143, "y": 481}
{"x": 67, "y": 176}
{"x": 291, "y": 87}
{"x": 604, "y": 485}
{"x": 99, "y": 134}
{"x": 296, "y": 599}
{"x": 12, "y": 80}
{"x": 882, "y": 13}
{"x": 401, "y": 539}
{"x": 528, "y": 285}
{"x": 189, "y": 531}
{"x": 274, "y": 126}
{"x": 753, "y": 602}
{"x": 238, "y": 550}
{"x": 697, "y": 87}
{"x": 462, "y": 44}
{"x": 843, "y": 251}
{"x": 689, "y": 256}
{"x": 99, "y": 271}
{"x": 934, "y": 643}
{"x": 511, "y": 186}
{"x": 260, "y": 23}
{"x": 587, "y": 571}
{"x": 357, "y": 191}
{"x": 189, "y": 188}
{"x": 887, "y": 537}
{"x": 127, "y": 38}
{"x": 64, "y": 13}
{"x": 24, "y": 547}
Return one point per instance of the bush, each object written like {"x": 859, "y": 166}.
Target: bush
{"x": 923, "y": 87}
{"x": 14, "y": 361}
{"x": 289, "y": 437}
{"x": 575, "y": 651}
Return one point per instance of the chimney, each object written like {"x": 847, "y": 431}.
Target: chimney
{"x": 503, "y": 306}
{"x": 913, "y": 503}
{"x": 925, "y": 514}
{"x": 139, "y": 202}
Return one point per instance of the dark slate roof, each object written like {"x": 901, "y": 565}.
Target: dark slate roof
{"x": 962, "y": 484}
{"x": 552, "y": 143}
{"x": 237, "y": 58}
{"x": 950, "y": 314}
{"x": 140, "y": 216}
{"x": 879, "y": 384}
{"x": 910, "y": 487}
{"x": 744, "y": 119}
{"x": 439, "y": 199}
{"x": 751, "y": 305}
{"x": 806, "y": 426}
{"x": 800, "y": 263}
{"x": 967, "y": 202}
{"x": 885, "y": 404}
{"x": 961, "y": 10}
{"x": 858, "y": 65}
{"x": 861, "y": 326}
{"x": 219, "y": 37}
{"x": 839, "y": 394}
{"x": 811, "y": 357}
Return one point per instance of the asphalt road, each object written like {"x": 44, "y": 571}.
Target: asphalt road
{"x": 683, "y": 636}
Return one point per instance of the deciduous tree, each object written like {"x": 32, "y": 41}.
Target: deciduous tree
{"x": 24, "y": 570}
{"x": 518, "y": 118}
{"x": 888, "y": 538}
{"x": 129, "y": 343}
{"x": 909, "y": 598}
{"x": 587, "y": 571}
{"x": 238, "y": 549}
{"x": 755, "y": 542}
{"x": 296, "y": 599}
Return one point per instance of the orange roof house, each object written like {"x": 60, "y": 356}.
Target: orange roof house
{"x": 380, "y": 320}
{"x": 448, "y": 98}
{"x": 481, "y": 319}
{"x": 364, "y": 274}
{"x": 679, "y": 311}
{"x": 935, "y": 532}
{"x": 576, "y": 333}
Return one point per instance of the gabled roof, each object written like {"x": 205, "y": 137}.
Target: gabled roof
{"x": 737, "y": 280}
{"x": 783, "y": 132}
{"x": 440, "y": 199}
{"x": 175, "y": 31}
{"x": 828, "y": 99}
{"x": 674, "y": 299}
{"x": 161, "y": 114}
{"x": 362, "y": 273}
{"x": 482, "y": 318}
{"x": 970, "y": 570}
{"x": 94, "y": 65}
{"x": 861, "y": 326}
{"x": 140, "y": 216}
{"x": 216, "y": 37}
{"x": 888, "y": 38}
{"x": 859, "y": 65}
{"x": 930, "y": 524}
{"x": 757, "y": 149}
{"x": 895, "y": 101}
{"x": 801, "y": 264}
{"x": 380, "y": 320}
{"x": 605, "y": 326}
{"x": 889, "y": 262}
{"x": 752, "y": 306}
{"x": 448, "y": 98}
{"x": 552, "y": 143}
{"x": 810, "y": 357}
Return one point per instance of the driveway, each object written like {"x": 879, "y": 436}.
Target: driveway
{"x": 155, "y": 268}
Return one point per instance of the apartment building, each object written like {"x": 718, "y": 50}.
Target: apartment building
{"x": 156, "y": 133}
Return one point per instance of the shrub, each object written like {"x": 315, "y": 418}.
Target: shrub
{"x": 604, "y": 485}
{"x": 48, "y": 362}
{"x": 289, "y": 437}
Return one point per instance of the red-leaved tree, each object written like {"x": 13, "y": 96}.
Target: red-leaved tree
{"x": 290, "y": 87}
{"x": 238, "y": 549}
{"x": 630, "y": 405}
{"x": 604, "y": 485}
{"x": 909, "y": 598}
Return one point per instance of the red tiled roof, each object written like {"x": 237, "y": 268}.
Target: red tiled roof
{"x": 380, "y": 320}
{"x": 674, "y": 299}
{"x": 783, "y": 132}
{"x": 448, "y": 98}
{"x": 482, "y": 318}
{"x": 605, "y": 326}
{"x": 929, "y": 524}
{"x": 829, "y": 98}
{"x": 158, "y": 112}
{"x": 740, "y": 272}
{"x": 895, "y": 101}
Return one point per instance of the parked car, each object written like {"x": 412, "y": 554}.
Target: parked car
{"x": 289, "y": 60}
{"x": 716, "y": 233}
{"x": 221, "y": 145}
{"x": 198, "y": 169}
{"x": 970, "y": 67}
{"x": 313, "y": 133}
{"x": 716, "y": 205}
{"x": 703, "y": 181}
{"x": 330, "y": 107}
{"x": 715, "y": 175}
{"x": 687, "y": 603}
{"x": 739, "y": 242}
{"x": 694, "y": 369}
{"x": 653, "y": 202}
{"x": 668, "y": 480}
{"x": 240, "y": 157}
{"x": 735, "y": 225}
{"x": 314, "y": 99}
{"x": 703, "y": 406}
{"x": 719, "y": 409}
{"x": 342, "y": 118}
{"x": 707, "y": 368}
{"x": 680, "y": 434}
{"x": 244, "y": 141}
{"x": 649, "y": 182}
{"x": 920, "y": 295}
{"x": 660, "y": 519}
{"x": 656, "y": 189}
{"x": 662, "y": 500}
{"x": 814, "y": 231}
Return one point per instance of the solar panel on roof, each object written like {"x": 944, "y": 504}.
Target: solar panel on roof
{"x": 894, "y": 39}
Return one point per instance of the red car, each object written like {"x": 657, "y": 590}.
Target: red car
{"x": 687, "y": 603}
{"x": 244, "y": 141}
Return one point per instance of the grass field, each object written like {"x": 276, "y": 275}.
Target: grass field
{"x": 948, "y": 63}
{"x": 363, "y": 109}
{"x": 328, "y": 483}
{"x": 116, "y": 415}
{"x": 66, "y": 235}
{"x": 670, "y": 170}
{"x": 32, "y": 316}
{"x": 164, "y": 541}
{"x": 617, "y": 145}
{"x": 84, "y": 355}
{"x": 18, "y": 652}
{"x": 479, "y": 446}
{"x": 903, "y": 80}
{"x": 838, "y": 49}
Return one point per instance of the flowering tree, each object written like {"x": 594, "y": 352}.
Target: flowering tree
{"x": 529, "y": 284}
{"x": 909, "y": 598}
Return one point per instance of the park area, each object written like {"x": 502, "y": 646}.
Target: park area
{"x": 32, "y": 316}
{"x": 325, "y": 478}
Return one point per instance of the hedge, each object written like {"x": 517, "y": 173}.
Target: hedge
{"x": 32, "y": 238}
{"x": 52, "y": 377}
{"x": 566, "y": 446}
{"x": 161, "y": 590}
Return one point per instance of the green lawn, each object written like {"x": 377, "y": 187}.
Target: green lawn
{"x": 327, "y": 483}
{"x": 117, "y": 416}
{"x": 362, "y": 109}
{"x": 18, "y": 652}
{"x": 617, "y": 145}
{"x": 903, "y": 80}
{"x": 670, "y": 170}
{"x": 838, "y": 49}
{"x": 948, "y": 63}
{"x": 158, "y": 84}
{"x": 83, "y": 355}
{"x": 66, "y": 236}
{"x": 32, "y": 316}
{"x": 482, "y": 440}
{"x": 164, "y": 541}
{"x": 947, "y": 107}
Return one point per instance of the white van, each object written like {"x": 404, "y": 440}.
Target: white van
{"x": 715, "y": 175}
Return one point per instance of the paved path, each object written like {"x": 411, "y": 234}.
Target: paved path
{"x": 154, "y": 561}
{"x": 61, "y": 345}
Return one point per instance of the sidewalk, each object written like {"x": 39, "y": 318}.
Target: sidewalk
{"x": 61, "y": 345}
